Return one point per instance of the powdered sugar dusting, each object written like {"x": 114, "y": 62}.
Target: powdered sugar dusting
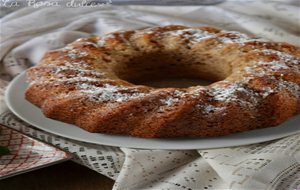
{"x": 273, "y": 65}
{"x": 169, "y": 101}
{"x": 192, "y": 35}
{"x": 267, "y": 91}
{"x": 224, "y": 93}
{"x": 279, "y": 84}
{"x": 228, "y": 37}
{"x": 232, "y": 93}
{"x": 233, "y": 37}
{"x": 74, "y": 53}
{"x": 290, "y": 86}
{"x": 118, "y": 35}
{"x": 59, "y": 74}
{"x": 108, "y": 92}
{"x": 64, "y": 80}
{"x": 282, "y": 56}
{"x": 59, "y": 69}
{"x": 283, "y": 62}
{"x": 74, "y": 64}
{"x": 282, "y": 85}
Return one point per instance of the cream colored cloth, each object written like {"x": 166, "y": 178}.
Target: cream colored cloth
{"x": 28, "y": 33}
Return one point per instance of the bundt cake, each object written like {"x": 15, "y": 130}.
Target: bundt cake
{"x": 94, "y": 82}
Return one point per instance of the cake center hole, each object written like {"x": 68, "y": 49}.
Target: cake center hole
{"x": 171, "y": 69}
{"x": 174, "y": 82}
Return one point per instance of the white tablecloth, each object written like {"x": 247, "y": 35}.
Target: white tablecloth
{"x": 28, "y": 33}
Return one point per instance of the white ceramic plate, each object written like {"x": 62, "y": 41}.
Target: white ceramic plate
{"x": 33, "y": 115}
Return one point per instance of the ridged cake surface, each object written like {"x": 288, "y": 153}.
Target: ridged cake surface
{"x": 91, "y": 82}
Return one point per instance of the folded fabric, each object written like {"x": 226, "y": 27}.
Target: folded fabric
{"x": 28, "y": 33}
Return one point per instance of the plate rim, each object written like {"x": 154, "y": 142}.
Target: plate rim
{"x": 168, "y": 144}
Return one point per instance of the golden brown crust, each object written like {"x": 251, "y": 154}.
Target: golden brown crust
{"x": 89, "y": 82}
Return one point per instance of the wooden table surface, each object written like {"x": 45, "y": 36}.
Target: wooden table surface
{"x": 64, "y": 176}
